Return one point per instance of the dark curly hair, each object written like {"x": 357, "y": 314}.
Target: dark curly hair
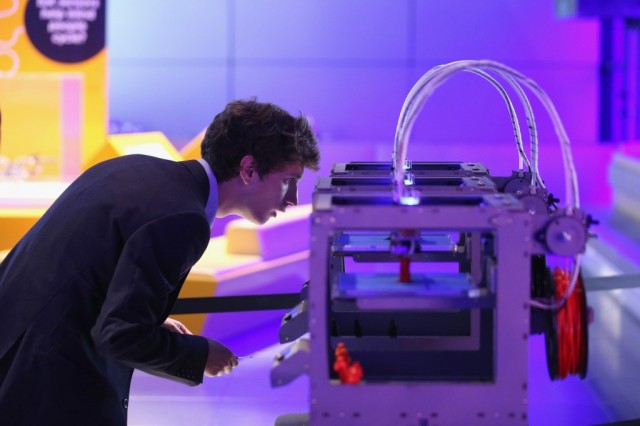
{"x": 265, "y": 131}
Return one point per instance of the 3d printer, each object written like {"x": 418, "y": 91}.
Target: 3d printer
{"x": 433, "y": 276}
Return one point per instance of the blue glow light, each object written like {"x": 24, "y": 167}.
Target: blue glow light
{"x": 409, "y": 200}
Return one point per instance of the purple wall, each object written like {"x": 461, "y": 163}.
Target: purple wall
{"x": 350, "y": 64}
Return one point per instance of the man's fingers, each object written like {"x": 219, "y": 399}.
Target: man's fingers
{"x": 176, "y": 326}
{"x": 182, "y": 328}
{"x": 225, "y": 370}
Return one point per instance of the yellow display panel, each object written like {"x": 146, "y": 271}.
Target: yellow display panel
{"x": 15, "y": 223}
{"x": 42, "y": 119}
{"x": 39, "y": 38}
{"x": 22, "y": 203}
{"x": 154, "y": 144}
{"x": 191, "y": 151}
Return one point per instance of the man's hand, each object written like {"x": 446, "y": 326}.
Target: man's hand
{"x": 220, "y": 360}
{"x": 175, "y": 326}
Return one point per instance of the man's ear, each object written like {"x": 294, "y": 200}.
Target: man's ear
{"x": 248, "y": 168}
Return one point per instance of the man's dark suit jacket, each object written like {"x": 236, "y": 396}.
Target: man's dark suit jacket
{"x": 83, "y": 294}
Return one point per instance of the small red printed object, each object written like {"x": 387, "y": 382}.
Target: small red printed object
{"x": 405, "y": 274}
{"x": 349, "y": 372}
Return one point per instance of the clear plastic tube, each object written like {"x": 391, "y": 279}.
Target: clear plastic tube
{"x": 533, "y": 132}
{"x": 425, "y": 87}
{"x": 435, "y": 77}
{"x": 512, "y": 113}
{"x": 410, "y": 104}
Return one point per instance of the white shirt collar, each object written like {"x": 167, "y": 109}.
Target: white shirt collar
{"x": 212, "y": 202}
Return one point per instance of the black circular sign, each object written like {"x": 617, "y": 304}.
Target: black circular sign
{"x": 66, "y": 31}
